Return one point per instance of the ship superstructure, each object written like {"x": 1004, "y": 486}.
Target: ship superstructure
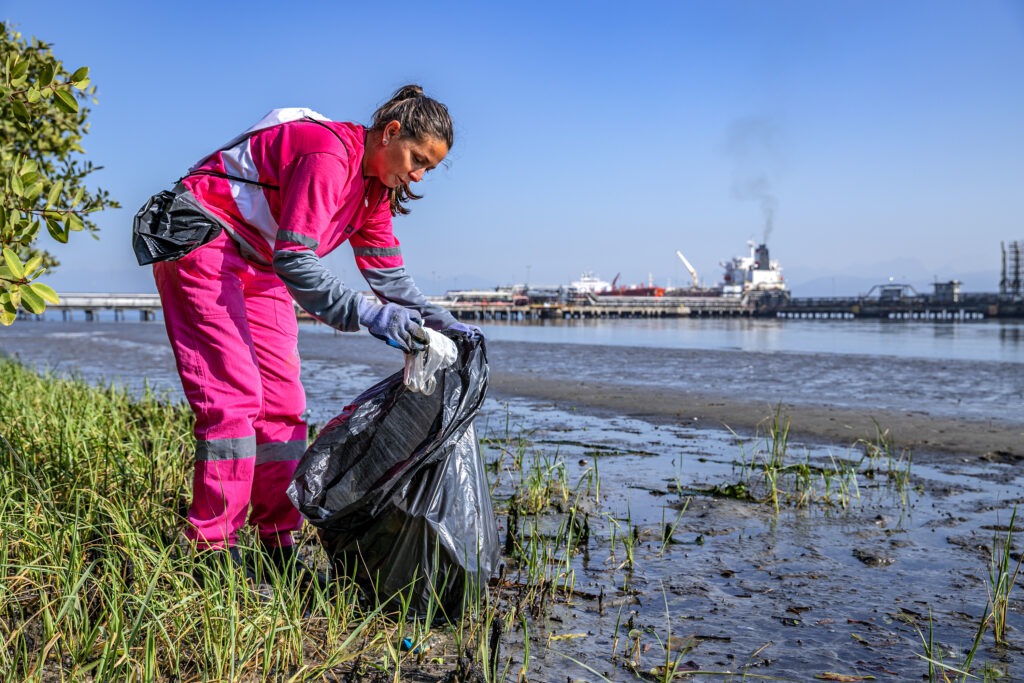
{"x": 753, "y": 273}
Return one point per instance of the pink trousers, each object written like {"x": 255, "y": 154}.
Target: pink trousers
{"x": 232, "y": 326}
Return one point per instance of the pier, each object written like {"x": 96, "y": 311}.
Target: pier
{"x": 91, "y": 303}
{"x": 601, "y": 308}
{"x": 897, "y": 302}
{"x": 901, "y": 302}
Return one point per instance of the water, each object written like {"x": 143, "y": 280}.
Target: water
{"x": 973, "y": 370}
{"x": 982, "y": 341}
{"x": 792, "y": 594}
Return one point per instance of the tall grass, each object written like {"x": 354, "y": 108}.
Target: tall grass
{"x": 95, "y": 581}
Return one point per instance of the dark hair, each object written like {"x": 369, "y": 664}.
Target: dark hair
{"x": 422, "y": 118}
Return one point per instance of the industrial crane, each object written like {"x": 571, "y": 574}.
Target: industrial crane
{"x": 693, "y": 272}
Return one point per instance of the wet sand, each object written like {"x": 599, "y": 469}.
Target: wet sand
{"x": 922, "y": 434}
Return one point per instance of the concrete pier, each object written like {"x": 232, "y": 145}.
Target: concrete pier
{"x": 964, "y": 307}
{"x": 90, "y": 304}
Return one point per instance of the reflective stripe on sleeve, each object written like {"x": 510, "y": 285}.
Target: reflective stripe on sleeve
{"x": 380, "y": 252}
{"x": 297, "y": 238}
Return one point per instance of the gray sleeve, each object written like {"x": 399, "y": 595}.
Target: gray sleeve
{"x": 396, "y": 285}
{"x": 317, "y": 290}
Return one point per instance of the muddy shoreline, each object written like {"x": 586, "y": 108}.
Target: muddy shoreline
{"x": 934, "y": 437}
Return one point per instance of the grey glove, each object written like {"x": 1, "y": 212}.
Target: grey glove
{"x": 398, "y": 326}
{"x": 466, "y": 329}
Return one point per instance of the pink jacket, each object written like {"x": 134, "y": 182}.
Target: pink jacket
{"x": 296, "y": 194}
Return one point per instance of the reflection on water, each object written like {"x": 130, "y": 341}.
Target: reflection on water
{"x": 1010, "y": 334}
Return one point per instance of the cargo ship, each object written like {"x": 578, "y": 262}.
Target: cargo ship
{"x": 755, "y": 274}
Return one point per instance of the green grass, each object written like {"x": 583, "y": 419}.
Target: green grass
{"x": 96, "y": 583}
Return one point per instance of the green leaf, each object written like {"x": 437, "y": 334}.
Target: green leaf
{"x": 20, "y": 69}
{"x": 16, "y": 187}
{"x": 32, "y": 302}
{"x": 14, "y": 292}
{"x": 66, "y": 101}
{"x": 32, "y": 95}
{"x": 46, "y": 75}
{"x": 53, "y": 196}
{"x": 81, "y": 74}
{"x": 77, "y": 199}
{"x": 45, "y": 292}
{"x": 32, "y": 265}
{"x": 56, "y": 229}
{"x": 7, "y": 317}
{"x": 75, "y": 222}
{"x": 32, "y": 191}
{"x": 20, "y": 110}
{"x": 14, "y": 263}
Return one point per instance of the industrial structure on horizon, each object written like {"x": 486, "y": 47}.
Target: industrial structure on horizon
{"x": 751, "y": 286}
{"x": 1009, "y": 283}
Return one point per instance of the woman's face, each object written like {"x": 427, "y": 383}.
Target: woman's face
{"x": 395, "y": 160}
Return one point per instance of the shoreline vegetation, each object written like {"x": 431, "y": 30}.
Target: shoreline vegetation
{"x": 96, "y": 583}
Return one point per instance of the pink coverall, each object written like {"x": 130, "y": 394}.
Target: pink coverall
{"x": 296, "y": 192}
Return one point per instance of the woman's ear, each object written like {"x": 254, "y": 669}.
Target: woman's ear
{"x": 392, "y": 130}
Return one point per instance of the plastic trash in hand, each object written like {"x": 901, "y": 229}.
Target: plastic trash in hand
{"x": 421, "y": 367}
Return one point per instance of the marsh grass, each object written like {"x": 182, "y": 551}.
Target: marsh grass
{"x": 772, "y": 474}
{"x": 1001, "y": 579}
{"x": 96, "y": 583}
{"x": 939, "y": 670}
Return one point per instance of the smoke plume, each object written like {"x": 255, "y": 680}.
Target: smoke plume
{"x": 752, "y": 145}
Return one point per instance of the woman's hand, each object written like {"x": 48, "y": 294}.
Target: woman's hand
{"x": 467, "y": 329}
{"x": 398, "y": 326}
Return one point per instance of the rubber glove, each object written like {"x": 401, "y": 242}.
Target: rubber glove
{"x": 467, "y": 329}
{"x": 398, "y": 326}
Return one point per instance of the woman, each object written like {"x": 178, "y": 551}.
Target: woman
{"x": 286, "y": 192}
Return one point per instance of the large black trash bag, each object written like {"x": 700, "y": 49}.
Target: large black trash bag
{"x": 396, "y": 487}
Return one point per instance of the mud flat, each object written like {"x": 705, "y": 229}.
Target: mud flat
{"x": 921, "y": 433}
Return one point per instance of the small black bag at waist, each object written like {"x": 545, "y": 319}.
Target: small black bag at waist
{"x": 170, "y": 225}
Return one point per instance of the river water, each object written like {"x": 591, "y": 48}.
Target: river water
{"x": 793, "y": 593}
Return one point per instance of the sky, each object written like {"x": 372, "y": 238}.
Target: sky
{"x": 861, "y": 140}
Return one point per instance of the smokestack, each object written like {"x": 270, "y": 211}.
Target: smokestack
{"x": 761, "y": 256}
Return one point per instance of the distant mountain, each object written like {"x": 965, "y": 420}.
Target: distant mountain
{"x": 851, "y": 282}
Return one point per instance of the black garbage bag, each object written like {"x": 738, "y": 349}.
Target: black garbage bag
{"x": 397, "y": 490}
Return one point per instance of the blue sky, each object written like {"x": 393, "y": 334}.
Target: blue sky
{"x": 884, "y": 138}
